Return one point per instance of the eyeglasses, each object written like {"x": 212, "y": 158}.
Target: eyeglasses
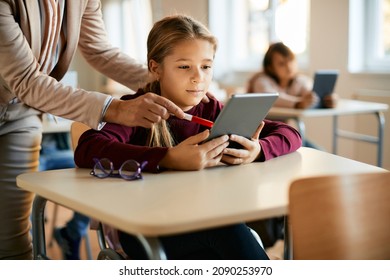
{"x": 129, "y": 170}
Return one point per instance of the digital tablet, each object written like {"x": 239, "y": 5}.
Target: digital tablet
{"x": 324, "y": 83}
{"x": 242, "y": 114}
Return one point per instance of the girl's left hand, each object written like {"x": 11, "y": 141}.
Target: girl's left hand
{"x": 206, "y": 98}
{"x": 249, "y": 152}
{"x": 330, "y": 101}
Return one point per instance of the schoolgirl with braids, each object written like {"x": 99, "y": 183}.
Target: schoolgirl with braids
{"x": 180, "y": 59}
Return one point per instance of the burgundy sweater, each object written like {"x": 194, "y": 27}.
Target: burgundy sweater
{"x": 120, "y": 143}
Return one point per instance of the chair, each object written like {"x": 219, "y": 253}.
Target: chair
{"x": 76, "y": 129}
{"x": 340, "y": 217}
{"x": 107, "y": 237}
{"x": 56, "y": 154}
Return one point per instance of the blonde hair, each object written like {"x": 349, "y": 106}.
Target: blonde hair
{"x": 163, "y": 37}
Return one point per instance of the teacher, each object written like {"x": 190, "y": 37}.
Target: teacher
{"x": 38, "y": 40}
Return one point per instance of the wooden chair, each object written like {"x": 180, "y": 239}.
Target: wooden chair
{"x": 107, "y": 237}
{"x": 341, "y": 217}
{"x": 76, "y": 130}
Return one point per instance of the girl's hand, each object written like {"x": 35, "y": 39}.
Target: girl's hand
{"x": 206, "y": 98}
{"x": 250, "y": 152}
{"x": 330, "y": 101}
{"x": 307, "y": 101}
{"x": 192, "y": 155}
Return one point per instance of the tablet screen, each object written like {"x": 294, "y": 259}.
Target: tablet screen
{"x": 242, "y": 114}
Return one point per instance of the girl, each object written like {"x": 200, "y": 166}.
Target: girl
{"x": 280, "y": 74}
{"x": 180, "y": 58}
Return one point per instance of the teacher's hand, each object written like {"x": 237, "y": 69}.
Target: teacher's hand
{"x": 142, "y": 111}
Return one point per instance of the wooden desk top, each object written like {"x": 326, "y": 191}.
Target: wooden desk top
{"x": 180, "y": 201}
{"x": 344, "y": 107}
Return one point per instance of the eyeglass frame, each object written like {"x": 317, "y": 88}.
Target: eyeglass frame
{"x": 136, "y": 176}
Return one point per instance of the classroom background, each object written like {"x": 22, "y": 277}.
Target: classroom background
{"x": 330, "y": 35}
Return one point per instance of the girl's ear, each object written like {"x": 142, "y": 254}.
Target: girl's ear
{"x": 154, "y": 69}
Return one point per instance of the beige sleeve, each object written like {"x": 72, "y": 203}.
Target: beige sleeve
{"x": 22, "y": 77}
{"x": 264, "y": 83}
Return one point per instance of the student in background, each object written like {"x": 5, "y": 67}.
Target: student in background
{"x": 180, "y": 59}
{"x": 280, "y": 74}
{"x": 38, "y": 40}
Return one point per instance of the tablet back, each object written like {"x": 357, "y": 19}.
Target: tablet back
{"x": 324, "y": 82}
{"x": 242, "y": 114}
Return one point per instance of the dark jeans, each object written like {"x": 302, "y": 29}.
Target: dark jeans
{"x": 230, "y": 243}
{"x": 270, "y": 230}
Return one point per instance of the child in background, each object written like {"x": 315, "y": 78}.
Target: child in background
{"x": 280, "y": 74}
{"x": 180, "y": 58}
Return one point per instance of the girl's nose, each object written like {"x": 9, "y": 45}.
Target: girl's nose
{"x": 196, "y": 76}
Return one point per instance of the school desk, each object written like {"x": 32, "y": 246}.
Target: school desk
{"x": 344, "y": 107}
{"x": 52, "y": 124}
{"x": 175, "y": 202}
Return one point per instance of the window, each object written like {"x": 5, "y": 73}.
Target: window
{"x": 128, "y": 23}
{"x": 369, "y": 47}
{"x": 245, "y": 28}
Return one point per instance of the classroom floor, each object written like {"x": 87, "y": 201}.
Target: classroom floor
{"x": 64, "y": 214}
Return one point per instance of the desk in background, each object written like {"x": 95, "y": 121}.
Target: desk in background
{"x": 52, "y": 124}
{"x": 344, "y": 107}
{"x": 55, "y": 152}
{"x": 175, "y": 202}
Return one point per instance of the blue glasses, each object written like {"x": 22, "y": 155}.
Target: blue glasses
{"x": 129, "y": 170}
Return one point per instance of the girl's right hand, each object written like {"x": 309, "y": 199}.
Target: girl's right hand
{"x": 192, "y": 154}
{"x": 307, "y": 101}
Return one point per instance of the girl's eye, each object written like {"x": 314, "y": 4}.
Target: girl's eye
{"x": 184, "y": 67}
{"x": 206, "y": 67}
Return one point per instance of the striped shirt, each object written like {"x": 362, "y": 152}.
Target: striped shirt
{"x": 53, "y": 29}
{"x": 53, "y": 34}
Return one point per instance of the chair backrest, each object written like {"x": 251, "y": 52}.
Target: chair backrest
{"x": 341, "y": 217}
{"x": 107, "y": 237}
{"x": 76, "y": 129}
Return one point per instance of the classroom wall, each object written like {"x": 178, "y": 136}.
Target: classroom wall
{"x": 328, "y": 49}
{"x": 197, "y": 9}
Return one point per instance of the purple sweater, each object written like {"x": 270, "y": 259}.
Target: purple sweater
{"x": 120, "y": 143}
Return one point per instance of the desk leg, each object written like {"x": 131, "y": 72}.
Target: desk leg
{"x": 38, "y": 228}
{"x": 378, "y": 140}
{"x": 288, "y": 246}
{"x": 301, "y": 129}
{"x": 381, "y": 127}
{"x": 335, "y": 135}
{"x": 152, "y": 247}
